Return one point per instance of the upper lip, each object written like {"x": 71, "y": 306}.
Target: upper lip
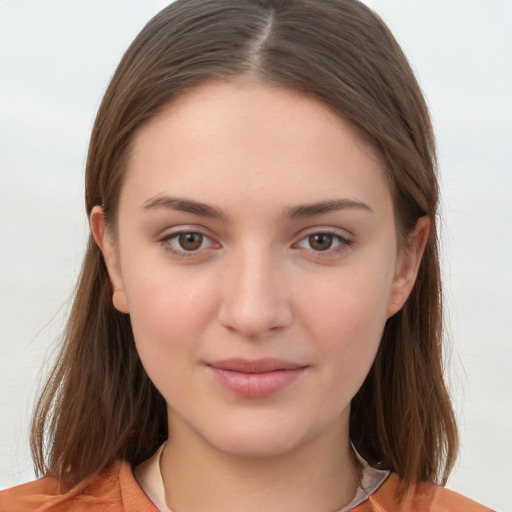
{"x": 267, "y": 364}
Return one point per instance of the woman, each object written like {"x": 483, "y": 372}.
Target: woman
{"x": 258, "y": 314}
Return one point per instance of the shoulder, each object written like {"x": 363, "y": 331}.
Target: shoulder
{"x": 114, "y": 489}
{"x": 424, "y": 497}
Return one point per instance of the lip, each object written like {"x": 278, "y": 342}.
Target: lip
{"x": 255, "y": 378}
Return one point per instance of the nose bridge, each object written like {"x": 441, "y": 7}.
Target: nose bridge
{"x": 254, "y": 296}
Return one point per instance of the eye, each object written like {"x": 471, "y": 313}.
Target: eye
{"x": 320, "y": 241}
{"x": 324, "y": 241}
{"x": 189, "y": 241}
{"x": 186, "y": 243}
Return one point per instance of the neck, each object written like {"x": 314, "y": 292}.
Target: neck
{"x": 320, "y": 475}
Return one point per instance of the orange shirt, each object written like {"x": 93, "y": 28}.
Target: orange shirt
{"x": 115, "y": 490}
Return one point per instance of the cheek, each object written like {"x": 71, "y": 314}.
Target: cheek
{"x": 350, "y": 301}
{"x": 346, "y": 316}
{"x": 169, "y": 312}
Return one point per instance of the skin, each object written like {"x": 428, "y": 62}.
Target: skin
{"x": 259, "y": 284}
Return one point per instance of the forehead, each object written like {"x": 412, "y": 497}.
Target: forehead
{"x": 235, "y": 139}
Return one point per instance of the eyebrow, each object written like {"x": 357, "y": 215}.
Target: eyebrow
{"x": 331, "y": 205}
{"x": 205, "y": 210}
{"x": 183, "y": 205}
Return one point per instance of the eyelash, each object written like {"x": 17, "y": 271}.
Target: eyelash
{"x": 166, "y": 242}
{"x": 342, "y": 243}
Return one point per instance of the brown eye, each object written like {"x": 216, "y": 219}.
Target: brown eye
{"x": 320, "y": 241}
{"x": 190, "y": 241}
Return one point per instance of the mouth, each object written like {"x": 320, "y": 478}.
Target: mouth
{"x": 255, "y": 378}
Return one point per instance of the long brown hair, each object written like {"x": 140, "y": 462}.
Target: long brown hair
{"x": 98, "y": 404}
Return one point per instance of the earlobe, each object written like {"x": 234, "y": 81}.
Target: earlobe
{"x": 408, "y": 264}
{"x": 111, "y": 257}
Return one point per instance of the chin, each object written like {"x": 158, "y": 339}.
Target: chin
{"x": 256, "y": 446}
{"x": 259, "y": 439}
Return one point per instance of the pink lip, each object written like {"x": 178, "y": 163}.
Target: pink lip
{"x": 257, "y": 378}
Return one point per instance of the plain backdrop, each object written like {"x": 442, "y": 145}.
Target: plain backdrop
{"x": 56, "y": 58}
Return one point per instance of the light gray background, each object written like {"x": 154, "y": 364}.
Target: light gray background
{"x": 56, "y": 57}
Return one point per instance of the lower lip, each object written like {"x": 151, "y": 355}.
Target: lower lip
{"x": 256, "y": 385}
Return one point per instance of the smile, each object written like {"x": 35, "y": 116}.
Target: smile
{"x": 257, "y": 378}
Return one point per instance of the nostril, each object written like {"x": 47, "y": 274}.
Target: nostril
{"x": 250, "y": 319}
{"x": 253, "y": 295}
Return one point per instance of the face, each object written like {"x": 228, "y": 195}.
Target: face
{"x": 256, "y": 254}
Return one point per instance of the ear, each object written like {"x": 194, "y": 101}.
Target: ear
{"x": 408, "y": 263}
{"x": 111, "y": 256}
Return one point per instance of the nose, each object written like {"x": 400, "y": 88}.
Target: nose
{"x": 254, "y": 296}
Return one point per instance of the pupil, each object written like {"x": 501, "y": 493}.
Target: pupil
{"x": 320, "y": 242}
{"x": 190, "y": 241}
